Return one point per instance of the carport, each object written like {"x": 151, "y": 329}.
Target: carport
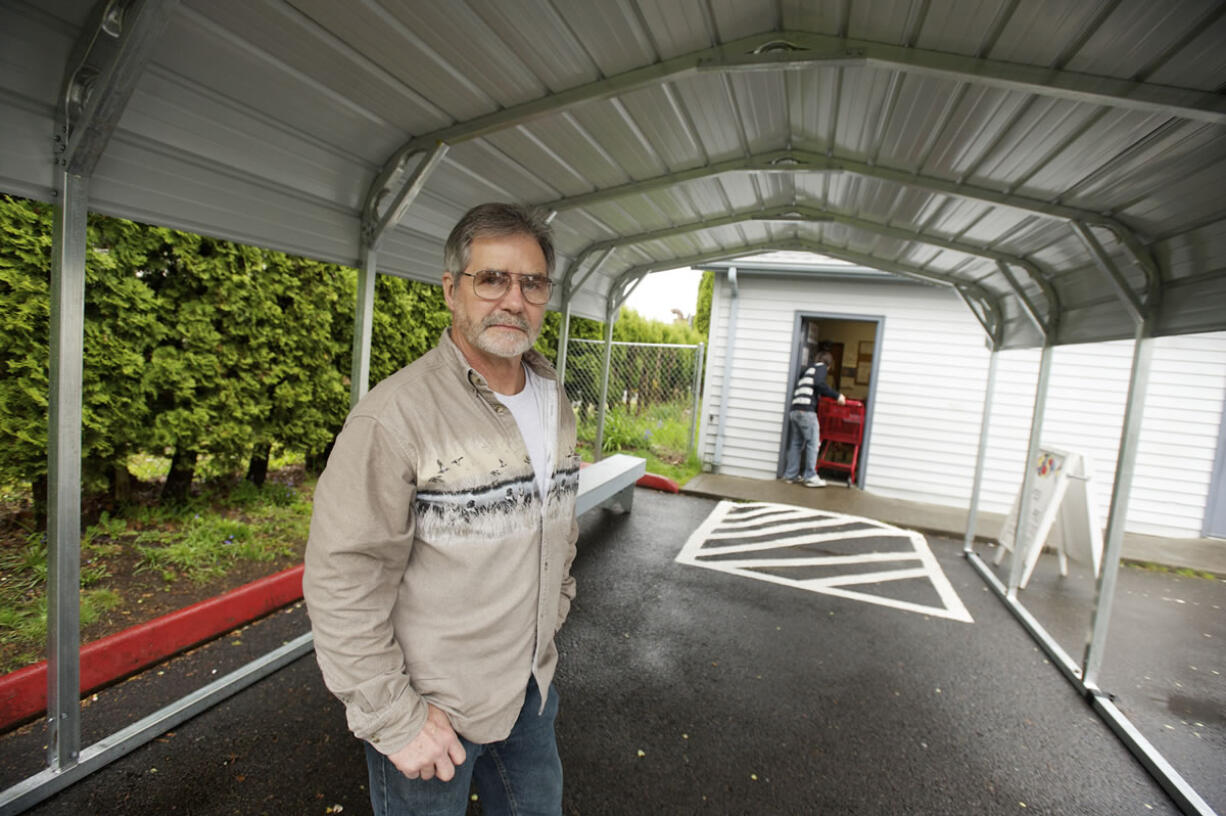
{"x": 1057, "y": 164}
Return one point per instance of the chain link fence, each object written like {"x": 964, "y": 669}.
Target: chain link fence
{"x": 653, "y": 395}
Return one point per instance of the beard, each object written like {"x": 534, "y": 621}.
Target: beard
{"x": 490, "y": 336}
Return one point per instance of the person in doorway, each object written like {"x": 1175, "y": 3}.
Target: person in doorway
{"x": 802, "y": 421}
{"x": 438, "y": 562}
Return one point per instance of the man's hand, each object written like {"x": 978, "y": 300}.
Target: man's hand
{"x": 842, "y": 400}
{"x": 433, "y": 752}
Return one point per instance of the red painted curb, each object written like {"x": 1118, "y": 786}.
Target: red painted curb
{"x": 23, "y": 693}
{"x": 658, "y": 483}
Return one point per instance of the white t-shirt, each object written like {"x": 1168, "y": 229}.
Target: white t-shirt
{"x": 526, "y": 407}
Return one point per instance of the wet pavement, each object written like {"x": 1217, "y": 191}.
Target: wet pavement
{"x": 689, "y": 690}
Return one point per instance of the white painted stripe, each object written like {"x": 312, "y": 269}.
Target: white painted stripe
{"x": 695, "y": 553}
{"x": 758, "y": 511}
{"x": 737, "y": 529}
{"x": 822, "y": 561}
{"x": 798, "y": 540}
{"x": 865, "y": 578}
{"x": 760, "y": 519}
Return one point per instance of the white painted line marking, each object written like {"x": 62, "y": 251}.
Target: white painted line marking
{"x": 731, "y": 530}
{"x": 786, "y": 521}
{"x": 798, "y": 540}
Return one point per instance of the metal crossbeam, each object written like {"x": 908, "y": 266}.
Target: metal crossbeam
{"x": 115, "y": 45}
{"x": 785, "y": 50}
{"x": 806, "y": 161}
{"x": 980, "y": 293}
{"x": 1045, "y": 330}
{"x": 376, "y": 225}
{"x": 801, "y": 50}
{"x": 805, "y": 214}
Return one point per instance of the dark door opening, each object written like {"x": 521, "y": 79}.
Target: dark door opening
{"x": 852, "y": 342}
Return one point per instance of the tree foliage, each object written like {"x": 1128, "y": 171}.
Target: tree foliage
{"x": 702, "y": 317}
{"x": 120, "y": 329}
{"x": 195, "y": 346}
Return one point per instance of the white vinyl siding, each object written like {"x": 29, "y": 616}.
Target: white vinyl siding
{"x": 931, "y": 369}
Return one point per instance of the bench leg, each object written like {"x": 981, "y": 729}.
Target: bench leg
{"x": 626, "y": 499}
{"x": 623, "y": 499}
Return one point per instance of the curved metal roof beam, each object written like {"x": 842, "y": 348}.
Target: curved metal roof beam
{"x": 516, "y": 115}
{"x": 116, "y": 43}
{"x": 1102, "y": 259}
{"x": 671, "y": 232}
{"x": 796, "y": 50}
{"x": 376, "y": 225}
{"x": 764, "y": 162}
{"x": 805, "y": 161}
{"x": 995, "y": 314}
{"x": 982, "y": 313}
{"x": 789, "y": 50}
{"x": 622, "y": 285}
{"x": 1046, "y": 328}
{"x": 803, "y": 214}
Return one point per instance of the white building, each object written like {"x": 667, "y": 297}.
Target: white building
{"x": 918, "y": 358}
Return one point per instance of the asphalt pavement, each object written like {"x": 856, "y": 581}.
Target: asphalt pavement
{"x": 694, "y": 691}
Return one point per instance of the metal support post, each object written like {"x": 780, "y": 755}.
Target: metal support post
{"x": 698, "y": 352}
{"x": 569, "y": 287}
{"x": 363, "y": 321}
{"x": 726, "y": 384}
{"x": 1125, "y": 469}
{"x": 1016, "y": 567}
{"x": 64, "y": 472}
{"x": 564, "y": 339}
{"x": 610, "y": 316}
{"x": 989, "y": 394}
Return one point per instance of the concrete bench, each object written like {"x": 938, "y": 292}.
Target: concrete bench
{"x": 609, "y": 481}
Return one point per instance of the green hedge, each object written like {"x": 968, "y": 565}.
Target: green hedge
{"x": 196, "y": 347}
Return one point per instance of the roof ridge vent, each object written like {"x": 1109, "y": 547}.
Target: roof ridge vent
{"x": 777, "y": 46}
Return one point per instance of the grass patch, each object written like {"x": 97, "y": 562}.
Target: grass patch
{"x": 256, "y": 524}
{"x": 659, "y": 433}
{"x": 232, "y": 521}
{"x": 23, "y": 596}
{"x": 201, "y": 549}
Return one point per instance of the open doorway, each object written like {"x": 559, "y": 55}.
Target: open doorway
{"x": 854, "y": 341}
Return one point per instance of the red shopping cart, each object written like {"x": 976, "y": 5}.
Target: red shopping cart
{"x": 842, "y": 431}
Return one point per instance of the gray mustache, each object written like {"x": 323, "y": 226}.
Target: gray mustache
{"x": 504, "y": 318}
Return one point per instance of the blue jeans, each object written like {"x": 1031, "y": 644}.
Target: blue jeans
{"x": 520, "y": 776}
{"x": 804, "y": 434}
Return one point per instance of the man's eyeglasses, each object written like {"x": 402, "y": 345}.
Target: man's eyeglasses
{"x": 492, "y": 284}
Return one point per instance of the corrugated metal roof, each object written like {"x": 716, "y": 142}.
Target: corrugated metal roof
{"x": 960, "y": 142}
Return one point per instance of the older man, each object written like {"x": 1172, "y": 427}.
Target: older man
{"x": 438, "y": 564}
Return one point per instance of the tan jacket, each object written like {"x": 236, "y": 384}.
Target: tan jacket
{"x": 433, "y": 571}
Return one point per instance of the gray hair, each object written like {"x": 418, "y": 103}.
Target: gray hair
{"x": 493, "y": 219}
